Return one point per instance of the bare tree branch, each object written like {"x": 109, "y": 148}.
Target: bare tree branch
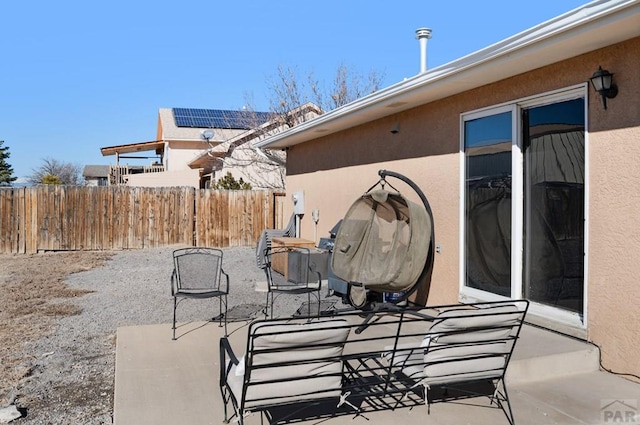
{"x": 289, "y": 106}
{"x": 66, "y": 172}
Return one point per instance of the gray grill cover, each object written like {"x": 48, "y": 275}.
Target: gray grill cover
{"x": 383, "y": 242}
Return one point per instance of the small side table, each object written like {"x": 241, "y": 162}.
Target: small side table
{"x": 280, "y": 262}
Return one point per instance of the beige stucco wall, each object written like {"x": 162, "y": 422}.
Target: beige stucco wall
{"x": 614, "y": 247}
{"x": 335, "y": 169}
{"x": 179, "y": 153}
{"x": 166, "y": 179}
{"x": 613, "y": 252}
{"x": 332, "y": 192}
{"x": 246, "y": 164}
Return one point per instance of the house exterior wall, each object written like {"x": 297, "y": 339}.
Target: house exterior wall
{"x": 180, "y": 178}
{"x": 179, "y": 153}
{"x": 244, "y": 163}
{"x": 184, "y": 144}
{"x": 334, "y": 170}
{"x": 333, "y": 191}
{"x": 614, "y": 246}
{"x": 96, "y": 181}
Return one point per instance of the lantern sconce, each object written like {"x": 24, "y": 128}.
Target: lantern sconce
{"x": 602, "y": 82}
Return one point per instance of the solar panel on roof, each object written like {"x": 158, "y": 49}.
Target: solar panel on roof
{"x": 217, "y": 118}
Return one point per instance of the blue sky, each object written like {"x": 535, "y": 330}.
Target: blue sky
{"x": 76, "y": 76}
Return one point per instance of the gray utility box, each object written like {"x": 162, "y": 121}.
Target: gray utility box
{"x": 318, "y": 261}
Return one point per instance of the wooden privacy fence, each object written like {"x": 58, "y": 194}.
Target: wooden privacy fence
{"x": 59, "y": 218}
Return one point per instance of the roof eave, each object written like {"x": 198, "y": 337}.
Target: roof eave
{"x": 587, "y": 28}
{"x": 132, "y": 147}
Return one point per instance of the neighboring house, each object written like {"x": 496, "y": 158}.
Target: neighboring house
{"x": 263, "y": 169}
{"x": 96, "y": 175}
{"x": 534, "y": 185}
{"x": 195, "y": 147}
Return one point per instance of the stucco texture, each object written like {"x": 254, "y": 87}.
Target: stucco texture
{"x": 613, "y": 250}
{"x": 333, "y": 192}
{"x": 614, "y": 247}
{"x": 335, "y": 169}
{"x": 166, "y": 179}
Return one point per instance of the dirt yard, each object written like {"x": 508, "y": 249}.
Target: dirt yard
{"x": 33, "y": 296}
{"x": 59, "y": 315}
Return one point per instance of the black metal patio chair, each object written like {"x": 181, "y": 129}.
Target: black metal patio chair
{"x": 288, "y": 270}
{"x": 198, "y": 274}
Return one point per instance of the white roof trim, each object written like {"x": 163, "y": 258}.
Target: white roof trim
{"x": 592, "y": 26}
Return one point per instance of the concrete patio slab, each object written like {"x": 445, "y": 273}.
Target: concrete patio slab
{"x": 160, "y": 381}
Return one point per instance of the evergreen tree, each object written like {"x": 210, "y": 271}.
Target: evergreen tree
{"x": 228, "y": 182}
{"x": 51, "y": 179}
{"x": 6, "y": 171}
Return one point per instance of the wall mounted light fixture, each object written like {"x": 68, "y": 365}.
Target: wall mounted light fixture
{"x": 602, "y": 82}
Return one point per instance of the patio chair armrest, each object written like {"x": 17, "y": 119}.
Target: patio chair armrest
{"x": 226, "y": 351}
{"x": 319, "y": 280}
{"x": 310, "y": 280}
{"x": 174, "y": 276}
{"x": 226, "y": 277}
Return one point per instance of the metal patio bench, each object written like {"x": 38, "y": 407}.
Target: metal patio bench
{"x": 464, "y": 353}
{"x": 309, "y": 368}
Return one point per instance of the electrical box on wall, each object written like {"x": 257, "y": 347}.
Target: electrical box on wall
{"x": 298, "y": 202}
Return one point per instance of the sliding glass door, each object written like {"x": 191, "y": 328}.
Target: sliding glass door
{"x": 524, "y": 202}
{"x": 553, "y": 144}
{"x": 488, "y": 144}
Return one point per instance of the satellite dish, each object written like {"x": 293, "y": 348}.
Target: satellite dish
{"x": 207, "y": 134}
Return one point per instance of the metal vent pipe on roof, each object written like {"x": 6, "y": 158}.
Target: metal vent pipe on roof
{"x": 423, "y": 34}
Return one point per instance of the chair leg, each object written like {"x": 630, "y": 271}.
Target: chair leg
{"x": 266, "y": 307}
{"x": 318, "y": 298}
{"x": 225, "y": 315}
{"x": 175, "y": 305}
{"x": 222, "y": 313}
{"x": 509, "y": 414}
{"x": 224, "y": 403}
{"x": 272, "y": 300}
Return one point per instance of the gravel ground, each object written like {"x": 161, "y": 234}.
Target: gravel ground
{"x": 72, "y": 370}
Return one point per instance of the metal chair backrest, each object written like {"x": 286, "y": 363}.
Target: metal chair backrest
{"x": 197, "y": 269}
{"x": 292, "y": 360}
{"x": 465, "y": 344}
{"x": 281, "y": 271}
